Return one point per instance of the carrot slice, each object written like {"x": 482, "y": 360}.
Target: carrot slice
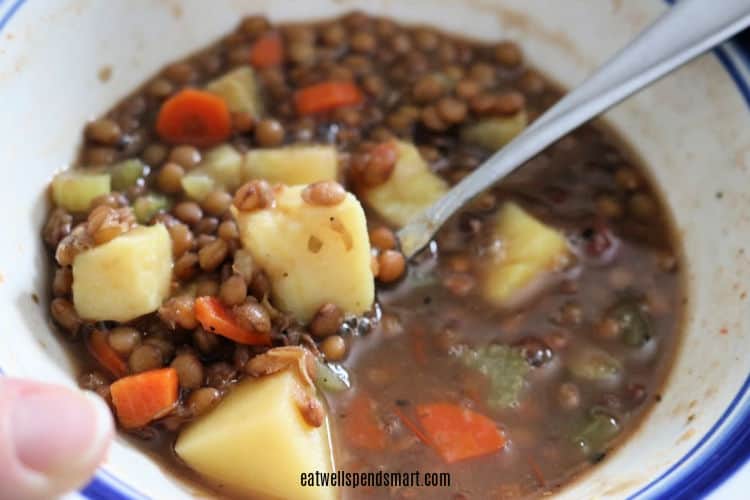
{"x": 361, "y": 426}
{"x": 104, "y": 354}
{"x": 194, "y": 117}
{"x": 458, "y": 433}
{"x": 326, "y": 96}
{"x": 216, "y": 318}
{"x": 141, "y": 398}
{"x": 267, "y": 51}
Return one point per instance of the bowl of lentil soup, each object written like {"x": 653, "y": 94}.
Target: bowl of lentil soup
{"x": 579, "y": 317}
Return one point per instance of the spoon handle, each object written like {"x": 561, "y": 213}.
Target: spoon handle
{"x": 687, "y": 30}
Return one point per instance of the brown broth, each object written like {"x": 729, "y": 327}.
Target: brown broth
{"x": 411, "y": 352}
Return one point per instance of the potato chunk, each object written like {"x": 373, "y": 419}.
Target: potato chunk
{"x": 410, "y": 189}
{"x": 312, "y": 254}
{"x": 494, "y": 133}
{"x": 220, "y": 168}
{"x": 291, "y": 165}
{"x": 124, "y": 278}
{"x": 239, "y": 89}
{"x": 74, "y": 191}
{"x": 529, "y": 251}
{"x": 256, "y": 441}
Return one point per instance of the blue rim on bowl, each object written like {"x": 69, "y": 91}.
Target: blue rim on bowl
{"x": 715, "y": 458}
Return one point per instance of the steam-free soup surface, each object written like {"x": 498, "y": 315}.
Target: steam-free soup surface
{"x": 514, "y": 354}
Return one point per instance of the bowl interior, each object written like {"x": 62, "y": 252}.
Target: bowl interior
{"x": 690, "y": 129}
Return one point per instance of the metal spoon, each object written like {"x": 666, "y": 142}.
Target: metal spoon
{"x": 687, "y": 30}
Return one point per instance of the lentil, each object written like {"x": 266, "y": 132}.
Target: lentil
{"x": 145, "y": 357}
{"x": 324, "y": 193}
{"x": 65, "y": 315}
{"x": 189, "y": 370}
{"x": 203, "y": 400}
{"x": 62, "y": 282}
{"x": 104, "y": 131}
{"x": 186, "y": 266}
{"x": 185, "y": 156}
{"x": 182, "y": 239}
{"x": 334, "y": 348}
{"x": 392, "y": 266}
{"x": 382, "y": 238}
{"x": 217, "y": 202}
{"x": 188, "y": 212}
{"x": 124, "y": 339}
{"x": 228, "y": 230}
{"x": 326, "y": 321}
{"x": 269, "y": 133}
{"x": 233, "y": 290}
{"x": 255, "y": 195}
{"x": 212, "y": 254}
{"x": 178, "y": 311}
{"x": 253, "y": 316}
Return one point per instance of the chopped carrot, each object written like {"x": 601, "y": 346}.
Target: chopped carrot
{"x": 194, "y": 117}
{"x": 216, "y": 318}
{"x": 104, "y": 354}
{"x": 326, "y": 96}
{"x": 458, "y": 433}
{"x": 141, "y": 398}
{"x": 267, "y": 51}
{"x": 412, "y": 426}
{"x": 361, "y": 426}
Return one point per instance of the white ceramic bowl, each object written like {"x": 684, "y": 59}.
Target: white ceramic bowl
{"x": 692, "y": 129}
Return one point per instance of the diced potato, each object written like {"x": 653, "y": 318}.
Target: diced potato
{"x": 494, "y": 133}
{"x": 74, "y": 191}
{"x": 223, "y": 163}
{"x": 312, "y": 254}
{"x": 240, "y": 90}
{"x": 220, "y": 168}
{"x": 256, "y": 442}
{"x": 124, "y": 278}
{"x": 291, "y": 165}
{"x": 529, "y": 250}
{"x": 411, "y": 188}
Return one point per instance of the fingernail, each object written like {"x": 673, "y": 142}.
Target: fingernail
{"x": 56, "y": 428}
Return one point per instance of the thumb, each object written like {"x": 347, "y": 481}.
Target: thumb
{"x": 51, "y": 438}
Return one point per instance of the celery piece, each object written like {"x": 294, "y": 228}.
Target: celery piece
{"x": 634, "y": 324}
{"x": 197, "y": 185}
{"x": 594, "y": 364}
{"x": 126, "y": 173}
{"x": 506, "y": 369}
{"x": 593, "y": 433}
{"x": 331, "y": 377}
{"x": 494, "y": 133}
{"x": 145, "y": 207}
{"x": 74, "y": 190}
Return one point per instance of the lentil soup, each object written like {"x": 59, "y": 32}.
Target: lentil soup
{"x": 229, "y": 278}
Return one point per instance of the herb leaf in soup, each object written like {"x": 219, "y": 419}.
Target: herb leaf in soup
{"x": 506, "y": 369}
